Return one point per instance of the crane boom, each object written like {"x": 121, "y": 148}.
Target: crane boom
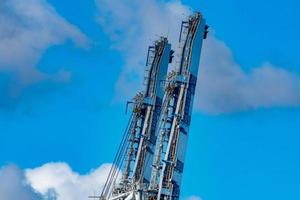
{"x": 152, "y": 151}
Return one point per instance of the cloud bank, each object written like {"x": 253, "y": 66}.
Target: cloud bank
{"x": 27, "y": 29}
{"x": 223, "y": 87}
{"x": 52, "y": 181}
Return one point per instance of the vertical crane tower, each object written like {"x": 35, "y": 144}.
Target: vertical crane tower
{"x": 150, "y": 159}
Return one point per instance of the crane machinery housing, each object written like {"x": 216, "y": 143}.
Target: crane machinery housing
{"x": 150, "y": 159}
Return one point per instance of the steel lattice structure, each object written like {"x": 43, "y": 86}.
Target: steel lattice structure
{"x": 150, "y": 160}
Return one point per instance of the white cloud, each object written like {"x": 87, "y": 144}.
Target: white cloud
{"x": 133, "y": 25}
{"x": 13, "y": 185}
{"x": 223, "y": 86}
{"x": 65, "y": 183}
{"x": 52, "y": 181}
{"x": 27, "y": 29}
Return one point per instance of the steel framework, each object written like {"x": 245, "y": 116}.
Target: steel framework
{"x": 150, "y": 160}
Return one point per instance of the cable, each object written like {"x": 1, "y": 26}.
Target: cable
{"x": 113, "y": 167}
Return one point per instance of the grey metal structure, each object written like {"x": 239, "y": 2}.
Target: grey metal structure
{"x": 176, "y": 116}
{"x": 152, "y": 152}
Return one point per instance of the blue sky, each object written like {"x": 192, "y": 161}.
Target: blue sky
{"x": 64, "y": 86}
